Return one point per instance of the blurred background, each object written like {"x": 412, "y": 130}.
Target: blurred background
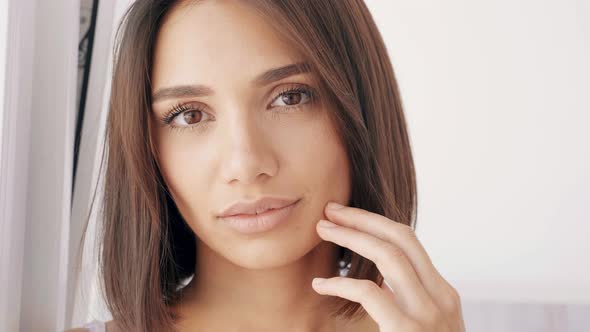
{"x": 497, "y": 99}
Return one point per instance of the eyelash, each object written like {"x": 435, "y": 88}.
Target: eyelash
{"x": 180, "y": 108}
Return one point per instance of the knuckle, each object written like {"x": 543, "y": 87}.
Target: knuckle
{"x": 360, "y": 213}
{"x": 364, "y": 289}
{"x": 393, "y": 252}
{"x": 452, "y": 302}
{"x": 387, "y": 253}
{"x": 369, "y": 287}
{"x": 409, "y": 231}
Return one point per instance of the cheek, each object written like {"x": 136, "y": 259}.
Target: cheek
{"x": 185, "y": 174}
{"x": 328, "y": 164}
{"x": 307, "y": 139}
{"x": 319, "y": 150}
{"x": 318, "y": 160}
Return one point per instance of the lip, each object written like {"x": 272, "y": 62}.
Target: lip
{"x": 257, "y": 206}
{"x": 262, "y": 222}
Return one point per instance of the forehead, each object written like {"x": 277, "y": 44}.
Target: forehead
{"x": 211, "y": 41}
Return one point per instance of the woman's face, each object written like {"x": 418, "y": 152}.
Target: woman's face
{"x": 237, "y": 137}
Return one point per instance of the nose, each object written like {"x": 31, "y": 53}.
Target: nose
{"x": 247, "y": 151}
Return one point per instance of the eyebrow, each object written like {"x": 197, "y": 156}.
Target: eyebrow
{"x": 198, "y": 90}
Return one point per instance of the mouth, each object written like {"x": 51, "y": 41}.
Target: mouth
{"x": 263, "y": 213}
{"x": 261, "y": 222}
{"x": 256, "y": 207}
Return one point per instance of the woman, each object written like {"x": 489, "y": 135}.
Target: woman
{"x": 221, "y": 110}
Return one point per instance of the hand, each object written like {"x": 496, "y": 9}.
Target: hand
{"x": 419, "y": 299}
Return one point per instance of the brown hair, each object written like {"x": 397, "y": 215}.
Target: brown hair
{"x": 146, "y": 247}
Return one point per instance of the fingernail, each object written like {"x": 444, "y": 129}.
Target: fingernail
{"x": 325, "y": 223}
{"x": 317, "y": 281}
{"x": 334, "y": 206}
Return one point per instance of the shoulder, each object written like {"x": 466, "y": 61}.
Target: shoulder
{"x": 366, "y": 324}
{"x": 111, "y": 326}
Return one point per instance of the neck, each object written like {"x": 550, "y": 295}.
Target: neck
{"x": 280, "y": 298}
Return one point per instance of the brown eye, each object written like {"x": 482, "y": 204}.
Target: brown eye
{"x": 291, "y": 98}
{"x": 191, "y": 117}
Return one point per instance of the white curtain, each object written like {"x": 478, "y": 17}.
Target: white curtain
{"x": 37, "y": 147}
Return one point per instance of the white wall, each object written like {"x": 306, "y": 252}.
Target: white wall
{"x": 53, "y": 115}
{"x": 496, "y": 96}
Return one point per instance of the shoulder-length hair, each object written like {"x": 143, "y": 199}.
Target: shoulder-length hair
{"x": 146, "y": 248}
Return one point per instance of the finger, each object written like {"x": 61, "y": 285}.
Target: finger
{"x": 402, "y": 236}
{"x": 376, "y": 303}
{"x": 391, "y": 262}
{"x": 385, "y": 286}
